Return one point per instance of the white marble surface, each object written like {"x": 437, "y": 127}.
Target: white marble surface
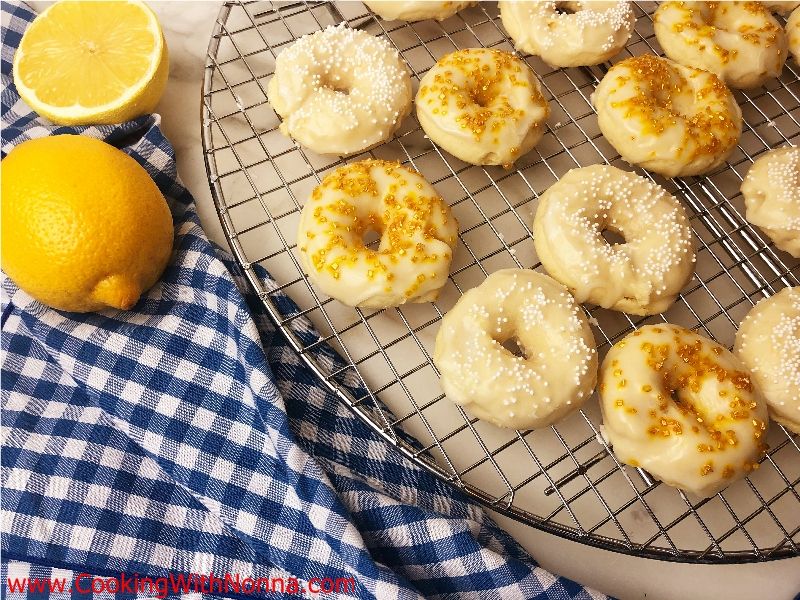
{"x": 187, "y": 25}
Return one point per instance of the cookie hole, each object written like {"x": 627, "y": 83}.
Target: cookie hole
{"x": 338, "y": 86}
{"x": 371, "y": 238}
{"x": 613, "y": 238}
{"x": 676, "y": 399}
{"x": 514, "y": 347}
{"x": 482, "y": 97}
{"x": 566, "y": 8}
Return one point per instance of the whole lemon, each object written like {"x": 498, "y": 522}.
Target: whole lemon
{"x": 84, "y": 227}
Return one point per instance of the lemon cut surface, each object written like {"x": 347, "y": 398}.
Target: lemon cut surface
{"x": 86, "y": 62}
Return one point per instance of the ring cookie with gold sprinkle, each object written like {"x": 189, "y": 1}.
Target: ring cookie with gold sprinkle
{"x": 683, "y": 408}
{"x": 552, "y": 374}
{"x": 739, "y": 41}
{"x": 771, "y": 191}
{"x": 768, "y": 342}
{"x": 641, "y": 275}
{"x": 416, "y": 227}
{"x": 782, "y": 7}
{"x": 415, "y": 10}
{"x": 340, "y": 90}
{"x": 670, "y": 119}
{"x": 569, "y": 34}
{"x": 483, "y": 106}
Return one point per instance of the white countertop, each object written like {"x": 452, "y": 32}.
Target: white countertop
{"x": 187, "y": 25}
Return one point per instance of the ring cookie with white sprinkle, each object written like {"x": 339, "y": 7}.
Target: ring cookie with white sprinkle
{"x": 415, "y": 10}
{"x": 417, "y": 235}
{"x": 588, "y": 34}
{"x": 340, "y": 91}
{"x": 768, "y": 342}
{"x": 793, "y": 33}
{"x": 682, "y": 407}
{"x": 642, "y": 275}
{"x": 771, "y": 193}
{"x": 483, "y": 106}
{"x": 670, "y": 119}
{"x": 739, "y": 41}
{"x": 553, "y": 374}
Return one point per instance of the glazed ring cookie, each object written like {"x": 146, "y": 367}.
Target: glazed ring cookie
{"x": 669, "y": 119}
{"x": 641, "y": 276}
{"x": 417, "y": 232}
{"x": 557, "y": 370}
{"x": 415, "y": 10}
{"x": 793, "y": 33}
{"x": 771, "y": 193}
{"x": 340, "y": 90}
{"x": 782, "y": 7}
{"x": 739, "y": 41}
{"x": 589, "y": 35}
{"x": 483, "y": 106}
{"x": 682, "y": 407}
{"x": 768, "y": 342}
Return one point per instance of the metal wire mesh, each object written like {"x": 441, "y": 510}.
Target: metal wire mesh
{"x": 562, "y": 479}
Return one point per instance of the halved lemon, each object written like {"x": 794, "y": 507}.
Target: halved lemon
{"x": 88, "y": 62}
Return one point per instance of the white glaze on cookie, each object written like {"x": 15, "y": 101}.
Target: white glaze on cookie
{"x": 739, "y": 41}
{"x": 483, "y": 106}
{"x": 771, "y": 191}
{"x": 340, "y": 90}
{"x": 415, "y": 10}
{"x": 553, "y": 378}
{"x": 793, "y": 33}
{"x": 682, "y": 407}
{"x": 641, "y": 276}
{"x": 667, "y": 118}
{"x": 418, "y": 233}
{"x": 591, "y": 33}
{"x": 768, "y": 342}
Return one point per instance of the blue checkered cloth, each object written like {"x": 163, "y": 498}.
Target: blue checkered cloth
{"x": 186, "y": 436}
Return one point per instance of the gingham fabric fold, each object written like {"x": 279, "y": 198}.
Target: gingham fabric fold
{"x": 185, "y": 436}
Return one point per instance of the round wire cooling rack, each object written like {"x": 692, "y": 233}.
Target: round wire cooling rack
{"x": 563, "y": 479}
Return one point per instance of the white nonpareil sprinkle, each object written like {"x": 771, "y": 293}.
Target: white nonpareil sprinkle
{"x": 780, "y": 363}
{"x": 610, "y": 202}
{"x": 519, "y": 309}
{"x": 318, "y": 65}
{"x": 785, "y": 341}
{"x": 784, "y": 178}
{"x": 553, "y": 23}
